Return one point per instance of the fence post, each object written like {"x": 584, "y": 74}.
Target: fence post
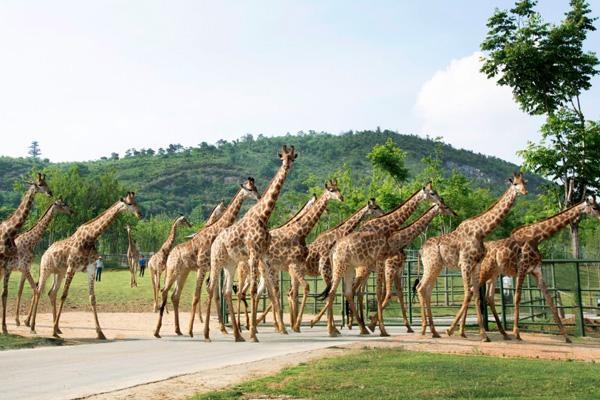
{"x": 503, "y": 302}
{"x": 579, "y": 317}
{"x": 483, "y": 307}
{"x": 223, "y": 305}
{"x": 410, "y": 295}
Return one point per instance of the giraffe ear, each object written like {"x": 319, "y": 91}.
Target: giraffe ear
{"x": 510, "y": 180}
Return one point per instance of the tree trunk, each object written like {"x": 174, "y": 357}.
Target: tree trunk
{"x": 575, "y": 247}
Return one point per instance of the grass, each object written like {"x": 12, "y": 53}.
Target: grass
{"x": 8, "y": 342}
{"x": 394, "y": 373}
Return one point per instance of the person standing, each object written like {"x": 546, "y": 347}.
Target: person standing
{"x": 99, "y": 267}
{"x": 142, "y": 265}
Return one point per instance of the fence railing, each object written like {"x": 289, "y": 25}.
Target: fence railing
{"x": 573, "y": 284}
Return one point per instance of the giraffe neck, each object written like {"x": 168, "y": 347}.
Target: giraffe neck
{"x": 413, "y": 230}
{"x": 231, "y": 211}
{"x": 13, "y": 224}
{"x": 168, "y": 244}
{"x": 546, "y": 228}
{"x": 215, "y": 214}
{"x": 263, "y": 209}
{"x": 393, "y": 220}
{"x": 487, "y": 221}
{"x": 33, "y": 236}
{"x": 304, "y": 225}
{"x": 300, "y": 213}
{"x": 91, "y": 230}
{"x": 348, "y": 225}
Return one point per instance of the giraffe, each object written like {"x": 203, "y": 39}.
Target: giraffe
{"x": 133, "y": 255}
{"x": 394, "y": 265}
{"x": 243, "y": 271}
{"x": 248, "y": 240}
{"x": 158, "y": 262}
{"x": 77, "y": 253}
{"x": 194, "y": 255}
{"x": 518, "y": 255}
{"x": 365, "y": 250}
{"x": 288, "y": 251}
{"x": 9, "y": 229}
{"x": 463, "y": 249}
{"x": 26, "y": 243}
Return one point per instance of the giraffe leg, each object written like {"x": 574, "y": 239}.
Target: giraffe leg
{"x": 328, "y": 304}
{"x": 349, "y": 289}
{"x": 58, "y": 278}
{"x": 390, "y": 268}
{"x": 380, "y": 299}
{"x": 398, "y": 282}
{"x": 155, "y": 288}
{"x": 36, "y": 298}
{"x": 210, "y": 292}
{"x": 491, "y": 290}
{"x": 466, "y": 275}
{"x": 518, "y": 290}
{"x": 91, "y": 270}
{"x": 274, "y": 288}
{"x": 306, "y": 289}
{"x": 475, "y": 287}
{"x": 537, "y": 274}
{"x": 293, "y": 297}
{"x": 424, "y": 291}
{"x": 69, "y": 279}
{"x": 19, "y": 294}
{"x": 164, "y": 293}
{"x": 199, "y": 278}
{"x": 7, "y": 272}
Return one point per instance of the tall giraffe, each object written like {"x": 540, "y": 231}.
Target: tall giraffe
{"x": 367, "y": 249}
{"x": 158, "y": 262}
{"x": 463, "y": 249}
{"x": 244, "y": 272}
{"x": 77, "y": 253}
{"x": 133, "y": 255}
{"x": 288, "y": 251}
{"x": 519, "y": 255}
{"x": 394, "y": 265}
{"x": 194, "y": 255}
{"x": 248, "y": 240}
{"x": 9, "y": 229}
{"x": 26, "y": 243}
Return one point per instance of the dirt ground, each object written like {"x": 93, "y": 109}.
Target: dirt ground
{"x": 79, "y": 327}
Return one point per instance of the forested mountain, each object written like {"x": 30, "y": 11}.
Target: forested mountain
{"x": 192, "y": 180}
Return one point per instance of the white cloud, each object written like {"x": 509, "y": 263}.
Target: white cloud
{"x": 470, "y": 111}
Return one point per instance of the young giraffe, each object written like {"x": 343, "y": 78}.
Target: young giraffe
{"x": 394, "y": 265}
{"x": 463, "y": 249}
{"x": 26, "y": 243}
{"x": 366, "y": 249}
{"x": 133, "y": 255}
{"x": 248, "y": 240}
{"x": 194, "y": 255}
{"x": 158, "y": 262}
{"x": 77, "y": 253}
{"x": 518, "y": 255}
{"x": 288, "y": 251}
{"x": 9, "y": 229}
{"x": 244, "y": 272}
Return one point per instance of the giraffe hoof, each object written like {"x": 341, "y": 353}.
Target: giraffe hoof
{"x": 371, "y": 327}
{"x": 435, "y": 335}
{"x": 568, "y": 340}
{"x": 463, "y": 335}
{"x": 254, "y": 339}
{"x": 334, "y": 334}
{"x": 26, "y": 322}
{"x": 384, "y": 334}
{"x": 101, "y": 336}
{"x": 191, "y": 334}
{"x": 409, "y": 330}
{"x": 364, "y": 332}
{"x": 178, "y": 332}
{"x": 55, "y": 335}
{"x": 157, "y": 335}
{"x": 449, "y": 331}
{"x": 485, "y": 339}
{"x": 518, "y": 337}
{"x": 58, "y": 331}
{"x": 312, "y": 323}
{"x": 506, "y": 337}
{"x": 224, "y": 331}
{"x": 240, "y": 339}
{"x": 17, "y": 322}
{"x": 207, "y": 340}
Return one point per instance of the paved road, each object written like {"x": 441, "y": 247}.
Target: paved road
{"x": 77, "y": 371}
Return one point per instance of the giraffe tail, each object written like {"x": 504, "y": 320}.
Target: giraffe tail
{"x": 414, "y": 289}
{"x": 323, "y": 295}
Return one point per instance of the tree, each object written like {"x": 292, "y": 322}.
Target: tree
{"x": 34, "y": 150}
{"x": 389, "y": 158}
{"x": 114, "y": 156}
{"x": 548, "y": 69}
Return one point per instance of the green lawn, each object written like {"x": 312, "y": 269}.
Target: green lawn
{"x": 18, "y": 342}
{"x": 394, "y": 373}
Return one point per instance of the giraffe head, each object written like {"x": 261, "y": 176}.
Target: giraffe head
{"x": 131, "y": 205}
{"x": 373, "y": 209}
{"x": 288, "y": 154}
{"x": 62, "y": 207}
{"x": 592, "y": 208}
{"x": 182, "y": 220}
{"x": 40, "y": 185}
{"x": 428, "y": 192}
{"x": 519, "y": 184}
{"x": 249, "y": 189}
{"x": 332, "y": 191}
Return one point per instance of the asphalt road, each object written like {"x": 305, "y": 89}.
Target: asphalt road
{"x": 76, "y": 371}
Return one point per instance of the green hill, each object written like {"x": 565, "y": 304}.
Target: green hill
{"x": 193, "y": 179}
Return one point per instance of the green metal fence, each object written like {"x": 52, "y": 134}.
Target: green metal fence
{"x": 573, "y": 284}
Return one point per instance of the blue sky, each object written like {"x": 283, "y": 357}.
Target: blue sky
{"x": 89, "y": 78}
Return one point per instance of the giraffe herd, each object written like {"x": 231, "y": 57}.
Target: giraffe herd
{"x": 369, "y": 241}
